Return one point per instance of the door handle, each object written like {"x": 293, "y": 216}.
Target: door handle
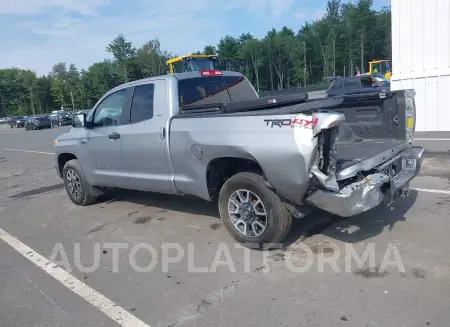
{"x": 114, "y": 136}
{"x": 162, "y": 133}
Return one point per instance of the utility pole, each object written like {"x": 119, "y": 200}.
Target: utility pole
{"x": 32, "y": 102}
{"x": 304, "y": 61}
{"x": 2, "y": 100}
{"x": 73, "y": 105}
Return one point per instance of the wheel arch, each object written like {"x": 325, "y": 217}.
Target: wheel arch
{"x": 222, "y": 168}
{"x": 63, "y": 158}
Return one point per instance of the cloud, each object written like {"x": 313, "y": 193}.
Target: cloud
{"x": 27, "y": 7}
{"x": 299, "y": 15}
{"x": 318, "y": 14}
{"x": 279, "y": 7}
{"x": 78, "y": 31}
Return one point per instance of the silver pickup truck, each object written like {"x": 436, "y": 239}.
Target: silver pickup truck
{"x": 265, "y": 159}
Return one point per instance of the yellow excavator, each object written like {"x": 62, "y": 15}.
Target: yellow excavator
{"x": 191, "y": 63}
{"x": 382, "y": 67}
{"x": 198, "y": 62}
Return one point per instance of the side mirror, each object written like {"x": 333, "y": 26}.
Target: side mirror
{"x": 79, "y": 121}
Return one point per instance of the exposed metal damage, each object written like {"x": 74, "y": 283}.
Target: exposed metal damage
{"x": 365, "y": 184}
{"x": 354, "y": 198}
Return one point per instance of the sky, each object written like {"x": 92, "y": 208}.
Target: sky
{"x": 36, "y": 34}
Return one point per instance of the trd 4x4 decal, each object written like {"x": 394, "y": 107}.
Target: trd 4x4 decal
{"x": 294, "y": 123}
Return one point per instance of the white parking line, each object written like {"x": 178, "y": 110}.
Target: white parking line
{"x": 108, "y": 307}
{"x": 431, "y": 139}
{"x": 428, "y": 190}
{"x": 29, "y": 151}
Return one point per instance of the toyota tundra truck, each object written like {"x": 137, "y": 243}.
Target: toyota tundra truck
{"x": 266, "y": 160}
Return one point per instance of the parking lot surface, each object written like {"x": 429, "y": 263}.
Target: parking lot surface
{"x": 212, "y": 281}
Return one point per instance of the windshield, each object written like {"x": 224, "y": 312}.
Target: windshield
{"x": 198, "y": 64}
{"x": 214, "y": 89}
{"x": 381, "y": 67}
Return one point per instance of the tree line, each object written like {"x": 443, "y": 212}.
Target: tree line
{"x": 342, "y": 41}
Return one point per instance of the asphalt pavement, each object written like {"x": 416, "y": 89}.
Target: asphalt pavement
{"x": 58, "y": 265}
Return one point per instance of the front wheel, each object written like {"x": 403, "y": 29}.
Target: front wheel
{"x": 251, "y": 212}
{"x": 77, "y": 187}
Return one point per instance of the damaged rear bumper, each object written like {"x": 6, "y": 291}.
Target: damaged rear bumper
{"x": 369, "y": 192}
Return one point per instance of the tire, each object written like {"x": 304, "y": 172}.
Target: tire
{"x": 84, "y": 197}
{"x": 278, "y": 219}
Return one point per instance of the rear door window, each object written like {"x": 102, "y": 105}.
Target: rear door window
{"x": 336, "y": 84}
{"x": 367, "y": 82}
{"x": 353, "y": 83}
{"x": 214, "y": 89}
{"x": 142, "y": 103}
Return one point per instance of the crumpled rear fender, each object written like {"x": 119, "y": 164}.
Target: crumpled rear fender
{"x": 291, "y": 177}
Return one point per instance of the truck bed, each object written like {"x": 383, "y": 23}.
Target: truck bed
{"x": 353, "y": 154}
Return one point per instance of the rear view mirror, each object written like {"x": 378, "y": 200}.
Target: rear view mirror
{"x": 79, "y": 121}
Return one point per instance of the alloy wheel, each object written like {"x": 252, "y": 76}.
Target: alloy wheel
{"x": 74, "y": 184}
{"x": 247, "y": 213}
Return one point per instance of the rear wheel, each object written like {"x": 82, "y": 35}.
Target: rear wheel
{"x": 251, "y": 212}
{"x": 77, "y": 187}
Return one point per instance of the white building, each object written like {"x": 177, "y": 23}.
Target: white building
{"x": 421, "y": 58}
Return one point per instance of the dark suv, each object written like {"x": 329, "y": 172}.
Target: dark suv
{"x": 61, "y": 119}
{"x": 37, "y": 122}
{"x": 356, "y": 85}
{"x": 18, "y": 121}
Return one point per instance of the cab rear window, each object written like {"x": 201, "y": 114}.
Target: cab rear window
{"x": 214, "y": 89}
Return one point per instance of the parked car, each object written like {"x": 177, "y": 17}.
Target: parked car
{"x": 18, "y": 121}
{"x": 37, "y": 122}
{"x": 356, "y": 85}
{"x": 60, "y": 119}
{"x": 3, "y": 120}
{"x": 266, "y": 160}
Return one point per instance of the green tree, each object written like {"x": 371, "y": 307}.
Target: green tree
{"x": 124, "y": 53}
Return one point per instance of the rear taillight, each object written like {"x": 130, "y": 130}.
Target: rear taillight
{"x": 410, "y": 115}
{"x": 211, "y": 73}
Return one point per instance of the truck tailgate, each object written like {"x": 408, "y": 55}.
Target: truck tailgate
{"x": 353, "y": 152}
